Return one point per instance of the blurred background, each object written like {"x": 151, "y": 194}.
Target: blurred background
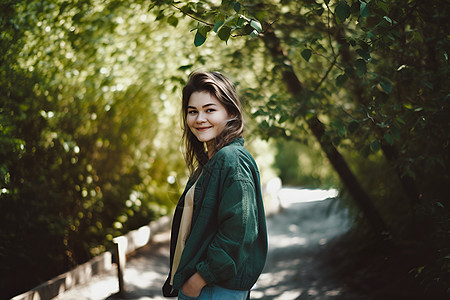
{"x": 351, "y": 95}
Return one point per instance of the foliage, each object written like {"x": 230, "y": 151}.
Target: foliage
{"x": 376, "y": 73}
{"x": 303, "y": 164}
{"x": 82, "y": 151}
{"x": 87, "y": 105}
{"x": 89, "y": 144}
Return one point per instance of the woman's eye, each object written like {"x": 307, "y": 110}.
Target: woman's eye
{"x": 191, "y": 112}
{"x": 210, "y": 110}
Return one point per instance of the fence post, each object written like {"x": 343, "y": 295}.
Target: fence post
{"x": 130, "y": 242}
{"x": 120, "y": 249}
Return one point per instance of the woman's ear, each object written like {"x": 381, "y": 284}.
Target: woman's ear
{"x": 231, "y": 118}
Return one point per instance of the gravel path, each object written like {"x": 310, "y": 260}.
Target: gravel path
{"x": 296, "y": 233}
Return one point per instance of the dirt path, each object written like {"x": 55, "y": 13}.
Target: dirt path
{"x": 292, "y": 271}
{"x": 296, "y": 235}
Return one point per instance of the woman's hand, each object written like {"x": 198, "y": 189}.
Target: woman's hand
{"x": 194, "y": 285}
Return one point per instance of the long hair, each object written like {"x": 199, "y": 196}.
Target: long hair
{"x": 224, "y": 90}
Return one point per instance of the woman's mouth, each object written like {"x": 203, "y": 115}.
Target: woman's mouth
{"x": 201, "y": 129}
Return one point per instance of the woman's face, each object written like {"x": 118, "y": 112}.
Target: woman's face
{"x": 206, "y": 116}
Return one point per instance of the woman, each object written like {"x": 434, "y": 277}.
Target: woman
{"x": 219, "y": 238}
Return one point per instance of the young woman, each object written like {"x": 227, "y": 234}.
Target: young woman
{"x": 219, "y": 238}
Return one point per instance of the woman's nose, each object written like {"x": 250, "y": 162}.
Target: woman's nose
{"x": 201, "y": 118}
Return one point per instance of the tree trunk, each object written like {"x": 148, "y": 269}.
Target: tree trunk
{"x": 338, "y": 162}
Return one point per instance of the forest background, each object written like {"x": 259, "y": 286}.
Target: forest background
{"x": 347, "y": 94}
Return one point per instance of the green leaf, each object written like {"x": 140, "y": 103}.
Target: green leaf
{"x": 258, "y": 113}
{"x": 254, "y": 34}
{"x": 283, "y": 118}
{"x": 386, "y": 86}
{"x": 217, "y": 25}
{"x": 256, "y": 25}
{"x": 237, "y": 7}
{"x": 354, "y": 9}
{"x": 364, "y": 46}
{"x": 383, "y": 125}
{"x": 400, "y": 120}
{"x": 199, "y": 39}
{"x": 232, "y": 20}
{"x": 224, "y": 33}
{"x": 342, "y": 11}
{"x": 361, "y": 67}
{"x": 417, "y": 36}
{"x": 306, "y": 54}
{"x": 384, "y": 6}
{"x": 160, "y": 15}
{"x": 172, "y": 20}
{"x": 388, "y": 139}
{"x": 264, "y": 124}
{"x": 336, "y": 141}
{"x": 364, "y": 54}
{"x": 395, "y": 132}
{"x": 185, "y": 67}
{"x": 401, "y": 67}
{"x": 349, "y": 71}
{"x": 428, "y": 84}
{"x": 204, "y": 30}
{"x": 309, "y": 114}
{"x": 364, "y": 10}
{"x": 388, "y": 19}
{"x": 351, "y": 41}
{"x": 352, "y": 127}
{"x": 240, "y": 22}
{"x": 341, "y": 79}
{"x": 375, "y": 146}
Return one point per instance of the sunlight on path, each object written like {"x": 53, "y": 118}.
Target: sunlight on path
{"x": 292, "y": 195}
{"x": 100, "y": 287}
{"x": 305, "y": 223}
{"x": 295, "y": 233}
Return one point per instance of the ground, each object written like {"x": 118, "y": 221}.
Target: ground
{"x": 311, "y": 256}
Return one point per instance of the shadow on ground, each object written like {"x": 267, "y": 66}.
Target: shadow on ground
{"x": 146, "y": 272}
{"x": 309, "y": 258}
{"x": 296, "y": 236}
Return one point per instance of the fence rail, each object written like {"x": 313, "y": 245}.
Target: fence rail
{"x": 123, "y": 246}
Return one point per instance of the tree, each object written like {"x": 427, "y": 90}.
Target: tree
{"x": 83, "y": 114}
{"x": 284, "y": 65}
{"x": 375, "y": 72}
{"x": 90, "y": 90}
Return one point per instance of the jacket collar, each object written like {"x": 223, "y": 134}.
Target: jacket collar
{"x": 239, "y": 141}
{"x": 236, "y": 141}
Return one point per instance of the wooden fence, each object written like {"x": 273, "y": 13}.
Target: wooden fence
{"x": 103, "y": 263}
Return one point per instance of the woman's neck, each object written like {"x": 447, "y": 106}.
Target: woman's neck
{"x": 209, "y": 148}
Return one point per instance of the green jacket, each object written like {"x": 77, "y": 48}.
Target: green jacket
{"x": 228, "y": 240}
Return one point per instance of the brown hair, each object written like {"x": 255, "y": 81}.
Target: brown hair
{"x": 224, "y": 90}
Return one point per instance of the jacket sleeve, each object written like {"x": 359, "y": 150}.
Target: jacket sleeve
{"x": 237, "y": 223}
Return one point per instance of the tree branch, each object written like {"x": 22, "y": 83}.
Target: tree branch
{"x": 328, "y": 25}
{"x": 333, "y": 62}
{"x": 326, "y": 74}
{"x": 191, "y": 16}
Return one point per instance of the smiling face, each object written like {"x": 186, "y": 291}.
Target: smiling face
{"x": 206, "y": 117}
